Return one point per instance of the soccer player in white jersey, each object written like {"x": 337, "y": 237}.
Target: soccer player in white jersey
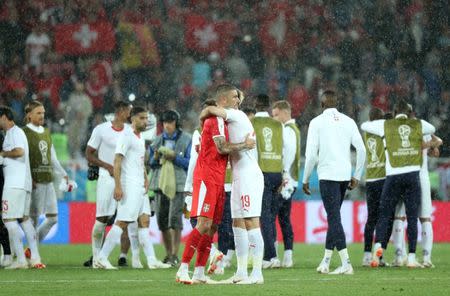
{"x": 100, "y": 152}
{"x": 43, "y": 196}
{"x": 17, "y": 191}
{"x": 246, "y": 192}
{"x": 130, "y": 190}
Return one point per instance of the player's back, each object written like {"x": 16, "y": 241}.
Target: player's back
{"x": 211, "y": 165}
{"x": 239, "y": 126}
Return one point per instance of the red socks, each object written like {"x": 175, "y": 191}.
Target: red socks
{"x": 191, "y": 245}
{"x": 203, "y": 250}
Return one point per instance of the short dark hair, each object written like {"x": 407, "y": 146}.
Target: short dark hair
{"x": 248, "y": 110}
{"x": 222, "y": 88}
{"x": 118, "y": 106}
{"x": 262, "y": 102}
{"x": 8, "y": 112}
{"x": 136, "y": 110}
{"x": 208, "y": 102}
{"x": 376, "y": 113}
{"x": 402, "y": 107}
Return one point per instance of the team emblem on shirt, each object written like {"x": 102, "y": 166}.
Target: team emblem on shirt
{"x": 205, "y": 208}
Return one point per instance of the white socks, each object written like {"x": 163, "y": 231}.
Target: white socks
{"x": 144, "y": 239}
{"x": 398, "y": 237}
{"x": 31, "y": 236}
{"x": 427, "y": 240}
{"x": 15, "y": 240}
{"x": 134, "y": 239}
{"x": 345, "y": 259}
{"x": 199, "y": 272}
{"x": 98, "y": 231}
{"x": 327, "y": 257}
{"x": 112, "y": 239}
{"x": 45, "y": 227}
{"x": 241, "y": 244}
{"x": 257, "y": 249}
{"x": 287, "y": 255}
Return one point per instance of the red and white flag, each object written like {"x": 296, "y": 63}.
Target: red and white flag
{"x": 205, "y": 36}
{"x": 78, "y": 39}
{"x": 278, "y": 32}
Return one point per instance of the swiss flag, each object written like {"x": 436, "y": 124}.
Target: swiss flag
{"x": 205, "y": 36}
{"x": 77, "y": 39}
{"x": 278, "y": 32}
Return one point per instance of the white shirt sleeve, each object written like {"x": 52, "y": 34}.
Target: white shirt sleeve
{"x": 358, "y": 143}
{"x": 232, "y": 115}
{"x": 18, "y": 139}
{"x": 123, "y": 144}
{"x": 57, "y": 167}
{"x": 427, "y": 128}
{"x": 192, "y": 162}
{"x": 375, "y": 127}
{"x": 95, "y": 139}
{"x": 289, "y": 148}
{"x": 311, "y": 151}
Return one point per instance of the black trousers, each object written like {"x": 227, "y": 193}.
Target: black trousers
{"x": 4, "y": 237}
{"x": 272, "y": 182}
{"x": 406, "y": 188}
{"x": 373, "y": 195}
{"x": 225, "y": 231}
{"x": 284, "y": 219}
{"x": 333, "y": 193}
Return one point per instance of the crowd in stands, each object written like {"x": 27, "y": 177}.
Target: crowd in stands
{"x": 167, "y": 54}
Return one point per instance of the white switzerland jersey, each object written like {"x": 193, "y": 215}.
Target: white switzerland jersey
{"x": 16, "y": 170}
{"x": 424, "y": 167}
{"x": 132, "y": 147}
{"x": 104, "y": 139}
{"x": 239, "y": 126}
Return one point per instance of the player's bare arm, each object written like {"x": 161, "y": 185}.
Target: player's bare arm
{"x": 118, "y": 193}
{"x": 225, "y": 147}
{"x": 213, "y": 111}
{"x": 15, "y": 153}
{"x": 146, "y": 182}
{"x": 93, "y": 159}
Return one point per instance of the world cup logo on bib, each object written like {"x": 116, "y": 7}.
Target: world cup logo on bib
{"x": 267, "y": 135}
{"x": 43, "y": 148}
{"x": 372, "y": 146}
{"x": 404, "y": 132}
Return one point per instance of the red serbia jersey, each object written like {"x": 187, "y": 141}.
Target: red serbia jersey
{"x": 211, "y": 165}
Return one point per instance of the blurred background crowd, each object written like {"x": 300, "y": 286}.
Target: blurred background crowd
{"x": 80, "y": 56}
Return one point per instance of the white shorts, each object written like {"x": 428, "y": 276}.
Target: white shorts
{"x": 106, "y": 205}
{"x": 16, "y": 203}
{"x": 43, "y": 200}
{"x": 425, "y": 202}
{"x": 133, "y": 204}
{"x": 246, "y": 196}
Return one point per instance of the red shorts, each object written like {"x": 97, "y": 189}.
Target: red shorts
{"x": 207, "y": 201}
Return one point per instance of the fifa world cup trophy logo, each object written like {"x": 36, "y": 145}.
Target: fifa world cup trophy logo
{"x": 404, "y": 132}
{"x": 43, "y": 148}
{"x": 372, "y": 146}
{"x": 267, "y": 135}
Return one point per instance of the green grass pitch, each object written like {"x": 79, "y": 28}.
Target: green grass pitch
{"x": 66, "y": 276}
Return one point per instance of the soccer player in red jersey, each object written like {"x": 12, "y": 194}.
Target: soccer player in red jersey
{"x": 208, "y": 188}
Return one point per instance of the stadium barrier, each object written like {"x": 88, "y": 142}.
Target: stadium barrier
{"x": 308, "y": 220}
